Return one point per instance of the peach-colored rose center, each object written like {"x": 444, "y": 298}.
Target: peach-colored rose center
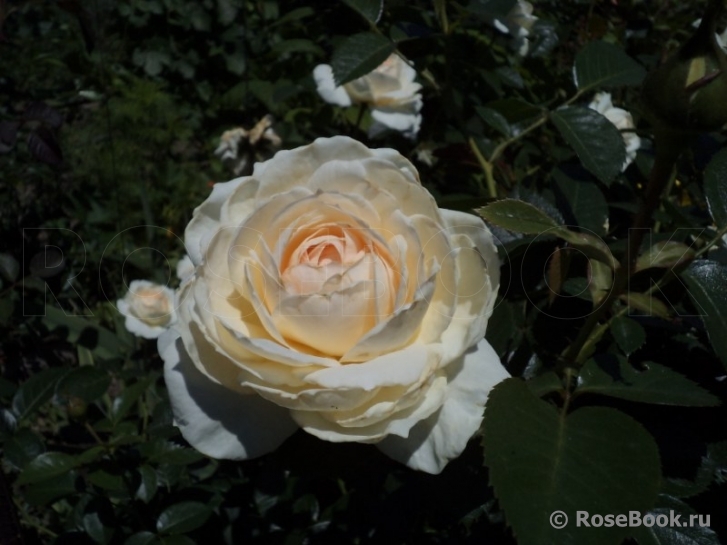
{"x": 151, "y": 305}
{"x": 318, "y": 259}
{"x": 338, "y": 279}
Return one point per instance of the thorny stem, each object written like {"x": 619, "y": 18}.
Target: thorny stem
{"x": 95, "y": 436}
{"x": 668, "y": 147}
{"x": 488, "y": 164}
{"x": 25, "y": 518}
{"x": 486, "y": 168}
{"x": 601, "y": 329}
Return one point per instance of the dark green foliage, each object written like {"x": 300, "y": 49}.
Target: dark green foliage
{"x": 110, "y": 113}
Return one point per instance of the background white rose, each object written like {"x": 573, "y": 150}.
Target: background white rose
{"x": 518, "y": 23}
{"x": 331, "y": 293}
{"x": 622, "y": 121}
{"x": 148, "y": 308}
{"x": 390, "y": 91}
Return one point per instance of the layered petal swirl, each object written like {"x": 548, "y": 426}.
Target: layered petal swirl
{"x": 329, "y": 292}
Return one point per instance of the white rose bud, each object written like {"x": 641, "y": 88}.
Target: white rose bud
{"x": 331, "y": 293}
{"x": 622, "y": 120}
{"x": 389, "y": 90}
{"x": 148, "y": 308}
{"x": 518, "y": 23}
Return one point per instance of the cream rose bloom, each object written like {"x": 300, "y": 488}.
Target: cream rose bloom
{"x": 148, "y": 308}
{"x": 390, "y": 91}
{"x": 622, "y": 120}
{"x": 330, "y": 293}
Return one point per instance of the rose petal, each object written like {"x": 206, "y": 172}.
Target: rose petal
{"x": 400, "y": 422}
{"x": 481, "y": 237}
{"x": 137, "y": 327}
{"x": 402, "y": 368}
{"x": 290, "y": 168}
{"x": 185, "y": 268}
{"x": 327, "y": 88}
{"x": 218, "y": 422}
{"x": 433, "y": 442}
{"x": 330, "y": 323}
{"x": 473, "y": 309}
{"x": 206, "y": 219}
{"x": 396, "y": 331}
{"x": 399, "y": 119}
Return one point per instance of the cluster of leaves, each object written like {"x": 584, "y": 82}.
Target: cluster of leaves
{"x": 109, "y": 116}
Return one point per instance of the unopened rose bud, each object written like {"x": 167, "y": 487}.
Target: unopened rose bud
{"x": 689, "y": 91}
{"x": 149, "y": 309}
{"x": 76, "y": 407}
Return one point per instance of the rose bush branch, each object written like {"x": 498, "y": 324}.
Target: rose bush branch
{"x": 667, "y": 152}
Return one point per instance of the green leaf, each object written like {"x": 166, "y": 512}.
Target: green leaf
{"x": 370, "y": 10}
{"x": 518, "y": 216}
{"x": 226, "y": 12}
{"x": 297, "y": 46}
{"x": 595, "y": 459}
{"x": 90, "y": 455}
{"x": 7, "y": 388}
{"x": 707, "y": 283}
{"x": 49, "y": 490}
{"x": 715, "y": 188}
{"x": 46, "y": 466}
{"x": 294, "y": 15}
{"x": 491, "y": 8}
{"x": 495, "y": 120}
{"x": 584, "y": 201}
{"x": 142, "y": 538}
{"x": 9, "y": 267}
{"x": 8, "y": 422}
{"x": 161, "y": 451}
{"x": 646, "y": 303}
{"x": 709, "y": 470}
{"x": 600, "y": 64}
{"x": 523, "y": 217}
{"x": 148, "y": 485}
{"x": 600, "y": 280}
{"x": 629, "y": 334}
{"x": 183, "y": 517}
{"x": 504, "y": 331}
{"x": 596, "y": 141}
{"x": 178, "y": 540}
{"x": 98, "y": 520}
{"x": 36, "y": 391}
{"x": 87, "y": 383}
{"x": 236, "y": 63}
{"x": 514, "y": 110}
{"x": 592, "y": 246}
{"x": 545, "y": 384}
{"x": 85, "y": 332}
{"x": 22, "y": 447}
{"x": 666, "y": 254}
{"x": 109, "y": 481}
{"x": 358, "y": 55}
{"x": 131, "y": 394}
{"x": 686, "y": 533}
{"x": 152, "y": 61}
{"x": 657, "y": 384}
